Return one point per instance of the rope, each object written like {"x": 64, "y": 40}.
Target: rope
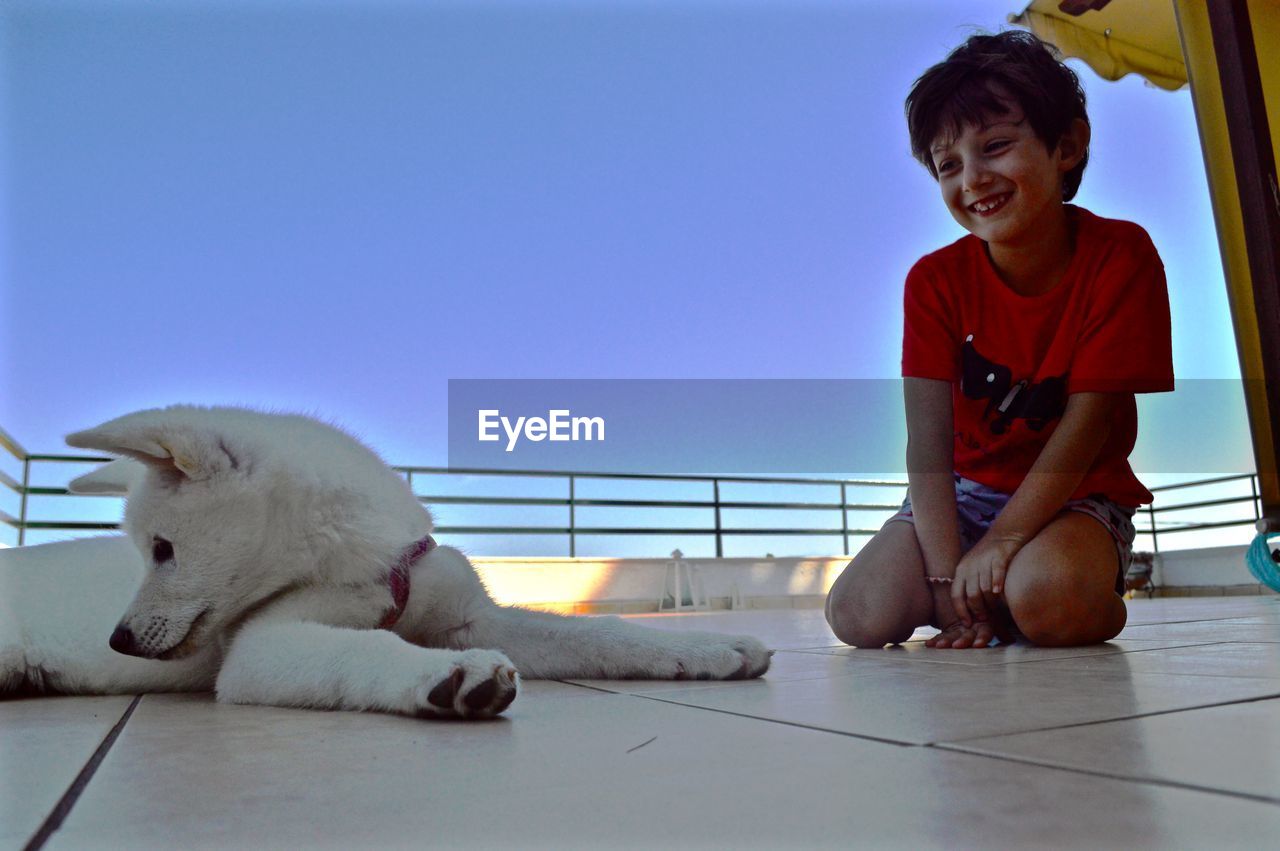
{"x": 1264, "y": 562}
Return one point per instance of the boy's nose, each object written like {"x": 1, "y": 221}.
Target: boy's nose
{"x": 976, "y": 176}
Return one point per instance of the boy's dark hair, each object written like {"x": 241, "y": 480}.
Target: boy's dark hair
{"x": 961, "y": 90}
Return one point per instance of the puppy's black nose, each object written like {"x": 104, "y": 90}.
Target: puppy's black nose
{"x": 122, "y": 641}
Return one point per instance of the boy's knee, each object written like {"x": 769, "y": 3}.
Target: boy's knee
{"x": 1050, "y": 616}
{"x": 1037, "y": 607}
{"x": 854, "y": 625}
{"x": 1045, "y": 628}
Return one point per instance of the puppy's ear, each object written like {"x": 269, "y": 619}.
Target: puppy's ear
{"x": 115, "y": 478}
{"x": 165, "y": 440}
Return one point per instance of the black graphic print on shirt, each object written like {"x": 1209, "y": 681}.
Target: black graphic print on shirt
{"x": 1037, "y": 403}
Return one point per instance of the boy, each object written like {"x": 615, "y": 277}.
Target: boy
{"x": 1024, "y": 344}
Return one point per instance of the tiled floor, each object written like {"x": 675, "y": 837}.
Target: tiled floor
{"x": 1168, "y": 737}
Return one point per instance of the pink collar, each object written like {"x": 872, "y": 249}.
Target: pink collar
{"x": 398, "y": 579}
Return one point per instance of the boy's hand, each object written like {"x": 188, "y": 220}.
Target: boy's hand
{"x": 976, "y": 593}
{"x": 958, "y": 636}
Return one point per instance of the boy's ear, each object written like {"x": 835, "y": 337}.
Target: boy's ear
{"x": 1073, "y": 144}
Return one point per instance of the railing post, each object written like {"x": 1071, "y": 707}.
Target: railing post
{"x": 844, "y": 516}
{"x": 1151, "y": 514}
{"x": 573, "y": 542}
{"x": 1253, "y": 488}
{"x": 22, "y": 504}
{"x": 715, "y": 485}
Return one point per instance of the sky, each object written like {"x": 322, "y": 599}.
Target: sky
{"x": 337, "y": 207}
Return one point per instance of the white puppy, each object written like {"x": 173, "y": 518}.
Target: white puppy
{"x": 284, "y": 563}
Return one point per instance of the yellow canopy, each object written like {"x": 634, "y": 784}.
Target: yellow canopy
{"x": 1226, "y": 49}
{"x": 1118, "y": 39}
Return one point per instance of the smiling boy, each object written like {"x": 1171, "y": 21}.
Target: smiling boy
{"x": 1024, "y": 344}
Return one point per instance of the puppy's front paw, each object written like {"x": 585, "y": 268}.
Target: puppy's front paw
{"x": 477, "y": 684}
{"x": 756, "y": 659}
{"x": 725, "y": 657}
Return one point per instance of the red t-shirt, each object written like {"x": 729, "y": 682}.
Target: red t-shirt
{"x": 1013, "y": 360}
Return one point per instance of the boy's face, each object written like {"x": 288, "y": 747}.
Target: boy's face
{"x": 999, "y": 181}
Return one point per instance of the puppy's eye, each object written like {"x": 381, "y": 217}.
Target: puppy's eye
{"x": 161, "y": 550}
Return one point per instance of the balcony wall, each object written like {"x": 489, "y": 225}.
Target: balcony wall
{"x": 622, "y": 586}
{"x": 618, "y": 586}
{"x": 1210, "y": 571}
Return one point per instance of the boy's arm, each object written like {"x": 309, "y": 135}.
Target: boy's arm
{"x": 930, "y": 472}
{"x": 1061, "y": 466}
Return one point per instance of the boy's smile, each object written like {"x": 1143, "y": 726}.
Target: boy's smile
{"x": 989, "y": 205}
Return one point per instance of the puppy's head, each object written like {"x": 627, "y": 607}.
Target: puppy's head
{"x": 198, "y": 515}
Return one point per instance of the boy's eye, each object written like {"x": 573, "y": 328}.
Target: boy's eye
{"x": 997, "y": 145}
{"x": 161, "y": 550}
{"x": 946, "y": 165}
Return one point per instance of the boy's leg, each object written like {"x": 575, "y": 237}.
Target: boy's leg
{"x": 882, "y": 596}
{"x": 1061, "y": 587}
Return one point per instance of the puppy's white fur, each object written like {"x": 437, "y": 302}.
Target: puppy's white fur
{"x": 266, "y": 544}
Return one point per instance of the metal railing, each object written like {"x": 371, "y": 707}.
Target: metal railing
{"x": 573, "y": 502}
{"x": 1254, "y": 501}
{"x": 717, "y": 505}
{"x": 13, "y": 448}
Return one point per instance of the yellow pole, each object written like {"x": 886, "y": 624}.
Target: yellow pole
{"x": 1249, "y": 318}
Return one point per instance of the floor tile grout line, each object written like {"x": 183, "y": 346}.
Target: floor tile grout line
{"x": 584, "y": 685}
{"x": 1127, "y": 652}
{"x": 688, "y": 685}
{"x": 936, "y": 745}
{"x": 845, "y": 733}
{"x": 954, "y": 744}
{"x": 868, "y": 737}
{"x": 1199, "y": 620}
{"x": 63, "y": 808}
{"x": 1138, "y": 717}
{"x": 1075, "y": 656}
{"x": 1127, "y": 778}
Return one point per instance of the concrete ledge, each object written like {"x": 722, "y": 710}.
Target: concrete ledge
{"x": 1221, "y": 567}
{"x": 586, "y": 586}
{"x": 618, "y": 586}
{"x": 649, "y": 607}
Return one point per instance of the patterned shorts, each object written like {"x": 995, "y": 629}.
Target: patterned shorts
{"x": 978, "y": 505}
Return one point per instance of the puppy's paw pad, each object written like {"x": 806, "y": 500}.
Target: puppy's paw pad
{"x": 442, "y": 696}
{"x": 494, "y": 694}
{"x": 481, "y": 684}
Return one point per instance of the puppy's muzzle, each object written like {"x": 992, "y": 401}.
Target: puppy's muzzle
{"x": 123, "y": 641}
